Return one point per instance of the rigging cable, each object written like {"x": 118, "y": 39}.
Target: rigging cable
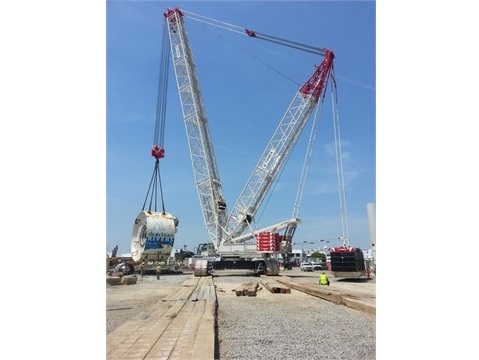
{"x": 309, "y": 151}
{"x": 239, "y": 30}
{"x": 339, "y": 165}
{"x": 157, "y": 150}
{"x": 307, "y": 159}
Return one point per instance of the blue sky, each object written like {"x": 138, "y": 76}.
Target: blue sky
{"x": 246, "y": 84}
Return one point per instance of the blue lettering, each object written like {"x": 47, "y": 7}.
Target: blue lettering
{"x": 158, "y": 240}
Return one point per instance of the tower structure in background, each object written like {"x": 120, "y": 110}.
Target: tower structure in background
{"x": 371, "y": 209}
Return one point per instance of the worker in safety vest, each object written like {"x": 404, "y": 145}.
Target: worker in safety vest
{"x": 158, "y": 271}
{"x": 323, "y": 279}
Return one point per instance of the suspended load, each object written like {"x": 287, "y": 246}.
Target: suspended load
{"x": 153, "y": 236}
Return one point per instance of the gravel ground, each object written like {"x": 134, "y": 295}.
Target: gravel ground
{"x": 290, "y": 326}
{"x": 267, "y": 326}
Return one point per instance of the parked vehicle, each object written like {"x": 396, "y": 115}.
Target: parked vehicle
{"x": 306, "y": 266}
{"x": 316, "y": 265}
{"x": 286, "y": 264}
{"x": 125, "y": 268}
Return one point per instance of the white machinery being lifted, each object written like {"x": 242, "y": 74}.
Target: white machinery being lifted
{"x": 233, "y": 236}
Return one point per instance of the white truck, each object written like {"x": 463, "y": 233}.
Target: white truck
{"x": 306, "y": 266}
{"x": 316, "y": 265}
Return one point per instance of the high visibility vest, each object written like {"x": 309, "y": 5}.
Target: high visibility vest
{"x": 323, "y": 279}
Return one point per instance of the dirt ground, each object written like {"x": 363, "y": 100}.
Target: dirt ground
{"x": 125, "y": 302}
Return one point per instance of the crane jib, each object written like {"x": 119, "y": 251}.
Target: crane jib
{"x": 319, "y": 79}
{"x": 170, "y": 12}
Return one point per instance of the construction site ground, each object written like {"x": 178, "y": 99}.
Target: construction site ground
{"x": 174, "y": 317}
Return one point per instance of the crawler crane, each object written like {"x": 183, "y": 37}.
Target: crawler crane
{"x": 235, "y": 243}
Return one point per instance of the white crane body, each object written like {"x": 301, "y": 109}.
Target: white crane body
{"x": 229, "y": 234}
{"x": 269, "y": 165}
{"x": 208, "y": 184}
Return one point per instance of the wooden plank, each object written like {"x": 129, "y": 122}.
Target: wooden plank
{"x": 182, "y": 327}
{"x": 248, "y": 288}
{"x": 275, "y": 287}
